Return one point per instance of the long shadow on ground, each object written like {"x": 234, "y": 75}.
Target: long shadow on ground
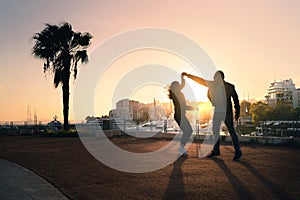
{"x": 238, "y": 186}
{"x": 175, "y": 189}
{"x": 272, "y": 187}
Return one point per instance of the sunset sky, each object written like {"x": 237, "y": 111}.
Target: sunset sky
{"x": 253, "y": 42}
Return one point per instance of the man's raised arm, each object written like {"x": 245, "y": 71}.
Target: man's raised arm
{"x": 195, "y": 78}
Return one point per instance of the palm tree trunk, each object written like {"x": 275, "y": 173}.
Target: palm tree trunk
{"x": 66, "y": 94}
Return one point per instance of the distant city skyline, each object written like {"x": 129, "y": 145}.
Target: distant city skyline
{"x": 253, "y": 42}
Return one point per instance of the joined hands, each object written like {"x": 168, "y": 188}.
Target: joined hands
{"x": 184, "y": 74}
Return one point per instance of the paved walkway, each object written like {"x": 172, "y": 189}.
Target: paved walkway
{"x": 17, "y": 182}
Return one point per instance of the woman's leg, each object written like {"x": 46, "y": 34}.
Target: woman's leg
{"x": 186, "y": 130}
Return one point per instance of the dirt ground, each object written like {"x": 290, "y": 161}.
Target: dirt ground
{"x": 264, "y": 172}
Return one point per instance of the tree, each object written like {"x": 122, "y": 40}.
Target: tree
{"x": 61, "y": 48}
{"x": 260, "y": 111}
{"x": 245, "y": 109}
{"x": 283, "y": 111}
{"x": 296, "y": 113}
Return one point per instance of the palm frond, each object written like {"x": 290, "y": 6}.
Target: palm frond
{"x": 85, "y": 39}
{"x": 82, "y": 56}
{"x": 60, "y": 48}
{"x": 57, "y": 78}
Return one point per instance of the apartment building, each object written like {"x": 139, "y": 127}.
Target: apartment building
{"x": 283, "y": 92}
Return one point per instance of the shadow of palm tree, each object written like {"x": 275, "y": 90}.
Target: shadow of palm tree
{"x": 273, "y": 188}
{"x": 238, "y": 186}
{"x": 175, "y": 189}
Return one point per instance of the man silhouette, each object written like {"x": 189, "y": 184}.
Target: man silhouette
{"x": 220, "y": 93}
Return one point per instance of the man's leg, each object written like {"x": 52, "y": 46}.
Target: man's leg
{"x": 234, "y": 137}
{"x": 217, "y": 119}
{"x": 231, "y": 130}
{"x": 216, "y": 133}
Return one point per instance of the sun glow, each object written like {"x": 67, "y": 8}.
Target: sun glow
{"x": 122, "y": 68}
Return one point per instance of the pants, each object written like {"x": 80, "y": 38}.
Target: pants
{"x": 217, "y": 119}
{"x": 186, "y": 128}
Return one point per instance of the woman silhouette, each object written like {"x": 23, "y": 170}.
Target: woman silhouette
{"x": 180, "y": 108}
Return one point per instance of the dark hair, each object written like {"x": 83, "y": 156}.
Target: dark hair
{"x": 174, "y": 87}
{"x": 221, "y": 74}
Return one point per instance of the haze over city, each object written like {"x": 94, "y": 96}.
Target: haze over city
{"x": 253, "y": 42}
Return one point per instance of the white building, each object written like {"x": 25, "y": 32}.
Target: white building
{"x": 296, "y": 98}
{"x": 127, "y": 109}
{"x": 123, "y": 110}
{"x": 281, "y": 91}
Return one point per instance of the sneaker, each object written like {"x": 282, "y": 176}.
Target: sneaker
{"x": 182, "y": 151}
{"x": 213, "y": 153}
{"x": 237, "y": 155}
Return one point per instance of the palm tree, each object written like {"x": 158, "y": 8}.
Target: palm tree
{"x": 61, "y": 49}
